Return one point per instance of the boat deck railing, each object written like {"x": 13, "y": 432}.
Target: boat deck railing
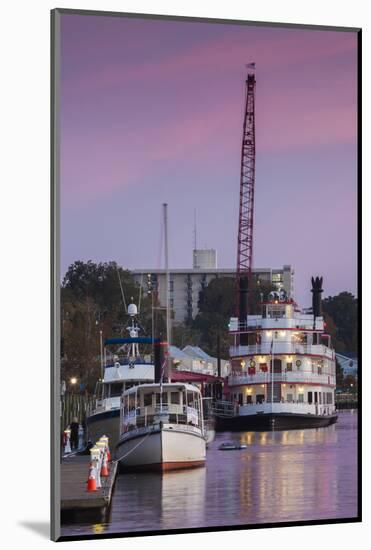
{"x": 228, "y": 408}
{"x": 225, "y": 408}
{"x": 147, "y": 416}
{"x": 131, "y": 361}
{"x": 283, "y": 347}
{"x": 105, "y": 404}
{"x": 298, "y": 377}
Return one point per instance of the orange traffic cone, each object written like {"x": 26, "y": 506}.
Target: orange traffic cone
{"x": 104, "y": 470}
{"x": 92, "y": 482}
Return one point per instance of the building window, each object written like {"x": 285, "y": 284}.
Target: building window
{"x": 289, "y": 367}
{"x": 301, "y": 398}
{"x": 289, "y": 397}
{"x": 260, "y": 398}
{"x": 329, "y": 398}
{"x": 310, "y": 397}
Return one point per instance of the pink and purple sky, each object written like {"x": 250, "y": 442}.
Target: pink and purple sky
{"x": 151, "y": 112}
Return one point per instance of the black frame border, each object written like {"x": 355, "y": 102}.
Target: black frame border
{"x": 55, "y": 273}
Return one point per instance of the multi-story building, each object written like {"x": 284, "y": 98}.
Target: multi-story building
{"x": 186, "y": 284}
{"x": 204, "y": 258}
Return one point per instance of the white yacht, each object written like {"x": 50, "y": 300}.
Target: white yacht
{"x": 161, "y": 427}
{"x": 131, "y": 369}
{"x": 283, "y": 368}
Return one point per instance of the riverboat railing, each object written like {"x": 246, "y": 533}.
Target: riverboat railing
{"x": 233, "y": 408}
{"x": 286, "y": 348}
{"x": 304, "y": 323}
{"x": 285, "y": 377}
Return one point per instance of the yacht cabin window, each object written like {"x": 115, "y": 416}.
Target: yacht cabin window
{"x": 115, "y": 390}
{"x": 131, "y": 402}
{"x": 164, "y": 398}
{"x": 175, "y": 398}
{"x": 147, "y": 400}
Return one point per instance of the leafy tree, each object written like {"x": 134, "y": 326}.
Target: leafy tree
{"x": 332, "y": 330}
{"x": 217, "y": 303}
{"x": 339, "y": 375}
{"x": 350, "y": 383}
{"x": 218, "y": 297}
{"x": 91, "y": 301}
{"x": 81, "y": 347}
{"x": 102, "y": 283}
{"x": 184, "y": 334}
{"x": 341, "y": 313}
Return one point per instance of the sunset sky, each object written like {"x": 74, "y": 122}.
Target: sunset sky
{"x": 152, "y": 112}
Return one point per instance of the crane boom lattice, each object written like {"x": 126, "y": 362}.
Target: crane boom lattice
{"x": 247, "y": 185}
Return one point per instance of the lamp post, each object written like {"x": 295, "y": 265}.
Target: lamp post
{"x": 101, "y": 354}
{"x": 73, "y": 382}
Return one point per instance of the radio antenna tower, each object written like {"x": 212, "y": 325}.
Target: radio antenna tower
{"x": 246, "y": 211}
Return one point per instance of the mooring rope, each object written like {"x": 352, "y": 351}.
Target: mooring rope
{"x": 133, "y": 449}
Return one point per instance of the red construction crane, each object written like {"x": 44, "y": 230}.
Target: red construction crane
{"x": 247, "y": 184}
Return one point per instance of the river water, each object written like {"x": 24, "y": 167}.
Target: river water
{"x": 281, "y": 476}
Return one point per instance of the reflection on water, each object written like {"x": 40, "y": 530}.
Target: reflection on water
{"x": 281, "y": 476}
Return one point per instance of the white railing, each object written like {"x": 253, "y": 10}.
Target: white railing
{"x": 287, "y": 348}
{"x": 287, "y": 407}
{"x": 167, "y": 413}
{"x": 199, "y": 370}
{"x": 287, "y": 377}
{"x": 107, "y": 404}
{"x": 227, "y": 408}
{"x": 273, "y": 323}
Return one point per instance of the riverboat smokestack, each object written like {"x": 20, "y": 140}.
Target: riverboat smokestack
{"x": 316, "y": 297}
{"x": 243, "y": 309}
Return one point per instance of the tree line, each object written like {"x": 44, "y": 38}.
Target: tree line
{"x": 92, "y": 302}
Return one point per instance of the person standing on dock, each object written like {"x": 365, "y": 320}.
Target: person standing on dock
{"x": 74, "y": 427}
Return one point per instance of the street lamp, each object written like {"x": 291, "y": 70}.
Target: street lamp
{"x": 73, "y": 382}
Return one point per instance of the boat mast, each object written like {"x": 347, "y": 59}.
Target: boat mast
{"x": 168, "y": 320}
{"x": 272, "y": 371}
{"x": 101, "y": 354}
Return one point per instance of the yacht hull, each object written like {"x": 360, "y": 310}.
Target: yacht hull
{"x": 162, "y": 449}
{"x": 273, "y": 421}
{"x": 104, "y": 423}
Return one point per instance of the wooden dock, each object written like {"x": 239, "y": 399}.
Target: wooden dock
{"x": 74, "y": 475}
